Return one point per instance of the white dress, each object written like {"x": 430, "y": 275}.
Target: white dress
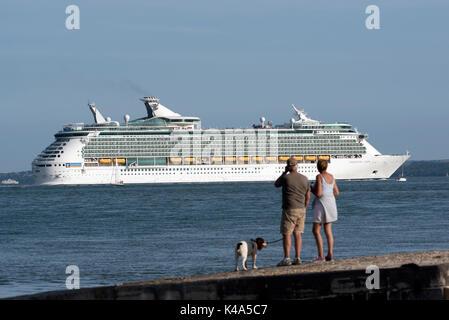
{"x": 325, "y": 208}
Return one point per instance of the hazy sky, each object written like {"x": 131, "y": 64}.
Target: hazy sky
{"x": 227, "y": 62}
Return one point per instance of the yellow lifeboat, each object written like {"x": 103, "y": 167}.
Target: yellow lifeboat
{"x": 310, "y": 158}
{"x": 270, "y": 159}
{"x": 105, "y": 161}
{"x": 299, "y": 158}
{"x": 256, "y": 159}
{"x": 283, "y": 158}
{"x": 324, "y": 158}
{"x": 120, "y": 161}
{"x": 243, "y": 159}
{"x": 189, "y": 160}
{"x": 230, "y": 159}
{"x": 174, "y": 160}
{"x": 216, "y": 159}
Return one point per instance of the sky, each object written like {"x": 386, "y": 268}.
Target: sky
{"x": 229, "y": 63}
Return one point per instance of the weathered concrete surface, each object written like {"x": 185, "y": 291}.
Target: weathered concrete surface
{"x": 417, "y": 275}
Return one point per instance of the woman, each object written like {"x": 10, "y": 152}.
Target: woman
{"x": 325, "y": 210}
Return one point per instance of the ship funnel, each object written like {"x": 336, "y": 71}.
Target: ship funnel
{"x": 151, "y": 103}
{"x": 98, "y": 117}
{"x": 155, "y": 109}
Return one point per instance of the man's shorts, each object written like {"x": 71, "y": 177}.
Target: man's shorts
{"x": 293, "y": 220}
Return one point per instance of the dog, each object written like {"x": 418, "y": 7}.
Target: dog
{"x": 246, "y": 249}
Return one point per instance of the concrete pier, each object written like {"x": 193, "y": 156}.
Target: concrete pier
{"x": 404, "y": 276}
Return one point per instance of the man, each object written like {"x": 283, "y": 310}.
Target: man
{"x": 295, "y": 199}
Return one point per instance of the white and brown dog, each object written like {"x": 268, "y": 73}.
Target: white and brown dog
{"x": 246, "y": 249}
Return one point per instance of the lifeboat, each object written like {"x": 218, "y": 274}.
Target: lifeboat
{"x": 283, "y": 158}
{"x": 105, "y": 161}
{"x": 189, "y": 160}
{"x": 310, "y": 158}
{"x": 270, "y": 159}
{"x": 120, "y": 161}
{"x": 243, "y": 159}
{"x": 174, "y": 160}
{"x": 324, "y": 158}
{"x": 256, "y": 159}
{"x": 230, "y": 159}
{"x": 299, "y": 158}
{"x": 216, "y": 159}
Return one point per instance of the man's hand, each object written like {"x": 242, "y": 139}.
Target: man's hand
{"x": 307, "y": 198}
{"x": 278, "y": 182}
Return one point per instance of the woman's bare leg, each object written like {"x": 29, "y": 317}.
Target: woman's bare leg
{"x": 319, "y": 241}
{"x": 330, "y": 239}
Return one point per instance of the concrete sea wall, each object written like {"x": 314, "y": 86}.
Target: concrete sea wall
{"x": 407, "y": 276}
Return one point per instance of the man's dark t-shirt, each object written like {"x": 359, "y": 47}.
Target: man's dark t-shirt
{"x": 294, "y": 189}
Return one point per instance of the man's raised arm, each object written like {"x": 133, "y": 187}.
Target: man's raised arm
{"x": 278, "y": 182}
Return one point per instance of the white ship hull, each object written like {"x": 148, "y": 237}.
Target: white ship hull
{"x": 374, "y": 167}
{"x": 113, "y": 153}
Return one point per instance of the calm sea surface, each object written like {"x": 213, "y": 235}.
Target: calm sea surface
{"x": 143, "y": 232}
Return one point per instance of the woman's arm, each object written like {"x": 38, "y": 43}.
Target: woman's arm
{"x": 336, "y": 191}
{"x": 318, "y": 188}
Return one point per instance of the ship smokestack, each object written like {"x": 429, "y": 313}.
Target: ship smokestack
{"x": 151, "y": 103}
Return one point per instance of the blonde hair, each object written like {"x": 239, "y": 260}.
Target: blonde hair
{"x": 322, "y": 165}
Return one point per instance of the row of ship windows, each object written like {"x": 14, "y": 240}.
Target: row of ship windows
{"x": 218, "y": 154}
{"x": 49, "y": 165}
{"x": 242, "y": 134}
{"x": 49, "y": 156}
{"x": 305, "y": 140}
{"x": 229, "y": 147}
{"x": 222, "y": 146}
{"x": 281, "y": 168}
{"x": 246, "y": 172}
{"x": 57, "y": 144}
{"x": 208, "y": 141}
{"x": 186, "y": 169}
{"x": 149, "y": 156}
{"x": 225, "y": 150}
{"x": 165, "y": 141}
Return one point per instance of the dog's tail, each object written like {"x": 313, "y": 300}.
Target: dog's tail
{"x": 238, "y": 246}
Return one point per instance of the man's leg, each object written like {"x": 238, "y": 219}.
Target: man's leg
{"x": 298, "y": 243}
{"x": 287, "y": 243}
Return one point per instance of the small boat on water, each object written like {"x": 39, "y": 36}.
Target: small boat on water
{"x": 116, "y": 175}
{"x": 402, "y": 178}
{"x": 10, "y": 181}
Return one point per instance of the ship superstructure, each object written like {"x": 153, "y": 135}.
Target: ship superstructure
{"x": 165, "y": 146}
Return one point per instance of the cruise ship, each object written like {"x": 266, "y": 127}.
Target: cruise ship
{"x": 166, "y": 147}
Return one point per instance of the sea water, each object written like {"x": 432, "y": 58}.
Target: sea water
{"x": 118, "y": 234}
